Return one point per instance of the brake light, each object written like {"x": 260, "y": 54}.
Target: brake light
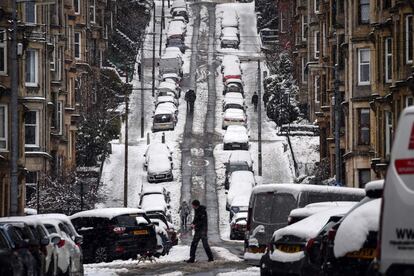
{"x": 331, "y": 234}
{"x": 309, "y": 245}
{"x": 119, "y": 249}
{"x": 119, "y": 230}
{"x": 61, "y": 243}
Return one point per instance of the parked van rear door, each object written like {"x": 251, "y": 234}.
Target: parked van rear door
{"x": 397, "y": 223}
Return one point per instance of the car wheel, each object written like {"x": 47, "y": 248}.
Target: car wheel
{"x": 264, "y": 271}
{"x": 232, "y": 236}
{"x": 101, "y": 255}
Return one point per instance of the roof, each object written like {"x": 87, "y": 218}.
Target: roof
{"x": 375, "y": 185}
{"x": 167, "y": 85}
{"x": 229, "y": 31}
{"x": 234, "y": 113}
{"x": 232, "y": 70}
{"x": 108, "y": 213}
{"x": 297, "y": 188}
{"x": 241, "y": 200}
{"x": 314, "y": 208}
{"x": 152, "y": 189}
{"x": 153, "y": 202}
{"x": 236, "y": 134}
{"x": 240, "y": 155}
{"x": 163, "y": 111}
{"x": 242, "y": 177}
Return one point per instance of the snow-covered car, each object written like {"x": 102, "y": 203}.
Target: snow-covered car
{"x": 231, "y": 97}
{"x": 234, "y": 103}
{"x": 48, "y": 242}
{"x": 171, "y": 76}
{"x": 239, "y": 160}
{"x": 69, "y": 255}
{"x": 155, "y": 189}
{"x": 115, "y": 233}
{"x": 229, "y": 18}
{"x": 157, "y": 149}
{"x": 229, "y": 60}
{"x": 167, "y": 106}
{"x": 176, "y": 30}
{"x": 236, "y": 138}
{"x": 166, "y": 99}
{"x": 159, "y": 168}
{"x": 229, "y": 38}
{"x": 180, "y": 12}
{"x": 166, "y": 86}
{"x": 241, "y": 183}
{"x": 234, "y": 116}
{"x": 232, "y": 30}
{"x": 238, "y": 226}
{"x": 301, "y": 213}
{"x": 232, "y": 72}
{"x": 233, "y": 85}
{"x": 164, "y": 119}
{"x": 161, "y": 220}
{"x": 180, "y": 18}
{"x": 285, "y": 253}
{"x": 155, "y": 203}
{"x": 239, "y": 204}
{"x": 271, "y": 205}
{"x": 176, "y": 42}
{"x": 397, "y": 225}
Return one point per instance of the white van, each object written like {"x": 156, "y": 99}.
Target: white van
{"x": 396, "y": 251}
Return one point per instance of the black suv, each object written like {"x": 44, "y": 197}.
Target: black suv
{"x": 115, "y": 233}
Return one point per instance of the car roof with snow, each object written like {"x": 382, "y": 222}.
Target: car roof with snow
{"x": 239, "y": 188}
{"x": 238, "y": 177}
{"x": 240, "y": 215}
{"x": 234, "y": 100}
{"x": 108, "y": 213}
{"x": 241, "y": 201}
{"x": 236, "y": 135}
{"x": 229, "y": 31}
{"x": 168, "y": 98}
{"x": 179, "y": 4}
{"x": 152, "y": 189}
{"x": 156, "y": 147}
{"x": 232, "y": 70}
{"x": 230, "y": 59}
{"x": 309, "y": 227}
{"x": 175, "y": 29}
{"x": 357, "y": 224}
{"x": 233, "y": 81}
{"x": 229, "y": 18}
{"x": 153, "y": 202}
{"x": 167, "y": 85}
{"x": 172, "y": 52}
{"x": 240, "y": 156}
{"x": 158, "y": 163}
{"x": 314, "y": 208}
{"x": 164, "y": 111}
{"x": 234, "y": 113}
{"x": 170, "y": 75}
{"x": 167, "y": 106}
{"x": 296, "y": 189}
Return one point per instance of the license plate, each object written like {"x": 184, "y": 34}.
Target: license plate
{"x": 140, "y": 232}
{"x": 364, "y": 253}
{"x": 236, "y": 146}
{"x": 289, "y": 248}
{"x": 160, "y": 176}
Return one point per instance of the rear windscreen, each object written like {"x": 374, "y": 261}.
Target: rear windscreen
{"x": 127, "y": 220}
{"x": 162, "y": 118}
{"x": 313, "y": 197}
{"x": 270, "y": 208}
{"x": 3, "y": 243}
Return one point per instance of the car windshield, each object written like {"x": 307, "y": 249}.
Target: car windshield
{"x": 163, "y": 118}
{"x": 271, "y": 208}
{"x": 129, "y": 220}
{"x": 3, "y": 242}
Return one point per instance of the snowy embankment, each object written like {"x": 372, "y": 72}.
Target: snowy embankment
{"x": 113, "y": 170}
{"x": 306, "y": 151}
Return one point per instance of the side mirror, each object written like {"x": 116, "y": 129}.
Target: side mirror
{"x": 55, "y": 239}
{"x": 78, "y": 240}
{"x": 44, "y": 241}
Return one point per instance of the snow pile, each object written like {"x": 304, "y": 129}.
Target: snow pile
{"x": 354, "y": 229}
{"x": 284, "y": 257}
{"x": 251, "y": 271}
{"x": 223, "y": 253}
{"x": 93, "y": 271}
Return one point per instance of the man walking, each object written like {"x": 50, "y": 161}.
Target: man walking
{"x": 199, "y": 225}
{"x": 184, "y": 211}
{"x": 255, "y": 100}
{"x": 190, "y": 97}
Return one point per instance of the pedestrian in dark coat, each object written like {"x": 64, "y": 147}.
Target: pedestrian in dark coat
{"x": 199, "y": 225}
{"x": 190, "y": 97}
{"x": 255, "y": 100}
{"x": 265, "y": 99}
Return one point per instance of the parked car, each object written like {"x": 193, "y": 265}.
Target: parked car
{"x": 161, "y": 220}
{"x": 179, "y": 18}
{"x": 155, "y": 203}
{"x": 238, "y": 226}
{"x": 299, "y": 214}
{"x": 229, "y": 60}
{"x": 233, "y": 116}
{"x": 240, "y": 203}
{"x": 231, "y": 72}
{"x": 239, "y": 160}
{"x": 176, "y": 42}
{"x": 153, "y": 189}
{"x": 164, "y": 119}
{"x": 229, "y": 18}
{"x": 240, "y": 183}
{"x": 157, "y": 149}
{"x": 236, "y": 137}
{"x": 237, "y": 103}
{"x": 271, "y": 204}
{"x": 230, "y": 97}
{"x": 396, "y": 228}
{"x": 10, "y": 262}
{"x": 115, "y": 233}
{"x": 233, "y": 85}
{"x": 229, "y": 38}
{"x": 176, "y": 30}
{"x": 171, "y": 76}
{"x": 159, "y": 167}
{"x": 285, "y": 253}
{"x": 165, "y": 88}
{"x": 69, "y": 254}
{"x": 167, "y": 106}
{"x": 166, "y": 99}
{"x": 19, "y": 248}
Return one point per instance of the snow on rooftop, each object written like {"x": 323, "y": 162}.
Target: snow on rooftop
{"x": 236, "y": 135}
{"x": 354, "y": 229}
{"x": 232, "y": 70}
{"x": 314, "y": 208}
{"x": 240, "y": 155}
{"x": 108, "y": 213}
{"x": 152, "y": 189}
{"x": 158, "y": 163}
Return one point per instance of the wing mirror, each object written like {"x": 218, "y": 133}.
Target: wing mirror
{"x": 55, "y": 239}
{"x": 44, "y": 241}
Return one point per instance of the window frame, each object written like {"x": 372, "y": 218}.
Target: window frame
{"x": 36, "y": 68}
{"x": 304, "y": 27}
{"x": 3, "y": 45}
{"x": 317, "y": 88}
{"x": 388, "y": 59}
{"x": 77, "y": 6}
{"x": 364, "y": 127}
{"x": 37, "y": 131}
{"x": 316, "y": 46}
{"x": 92, "y": 6}
{"x": 34, "y": 13}
{"x": 6, "y": 123}
{"x": 59, "y": 115}
{"x": 389, "y": 130}
{"x": 360, "y": 64}
{"x": 304, "y": 74}
{"x": 53, "y": 56}
{"x": 316, "y": 9}
{"x": 407, "y": 98}
{"x": 409, "y": 51}
{"x": 360, "y": 5}
{"x": 77, "y": 45}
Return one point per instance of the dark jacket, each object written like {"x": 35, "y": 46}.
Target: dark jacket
{"x": 200, "y": 219}
{"x": 255, "y": 99}
{"x": 190, "y": 96}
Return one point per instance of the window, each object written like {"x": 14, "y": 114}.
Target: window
{"x": 388, "y": 60}
{"x": 3, "y": 127}
{"x": 31, "y": 128}
{"x": 59, "y": 115}
{"x": 76, "y": 6}
{"x": 59, "y": 63}
{"x": 364, "y": 176}
{"x": 364, "y": 11}
{"x": 364, "y": 60}
{"x": 53, "y": 56}
{"x": 304, "y": 30}
{"x": 3, "y": 51}
{"x": 409, "y": 101}
{"x": 282, "y": 22}
{"x": 304, "y": 71}
{"x": 31, "y": 184}
{"x": 316, "y": 6}
{"x": 30, "y": 12}
{"x": 388, "y": 132}
{"x": 386, "y": 4}
{"x": 92, "y": 11}
{"x": 364, "y": 126}
{"x": 100, "y": 58}
{"x": 317, "y": 88}
{"x": 77, "y": 45}
{"x": 409, "y": 39}
{"x": 32, "y": 64}
{"x": 316, "y": 44}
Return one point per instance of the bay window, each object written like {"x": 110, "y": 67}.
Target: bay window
{"x": 364, "y": 66}
{"x": 32, "y": 65}
{"x": 31, "y": 128}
